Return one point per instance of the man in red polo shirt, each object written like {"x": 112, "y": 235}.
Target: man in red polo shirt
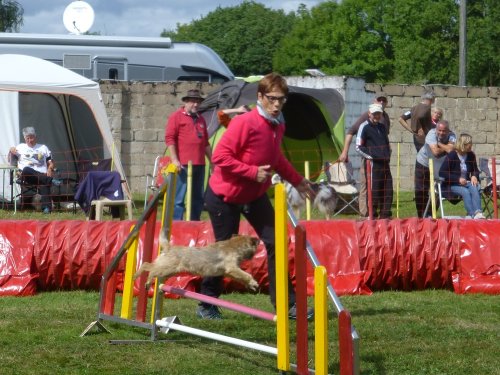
{"x": 186, "y": 137}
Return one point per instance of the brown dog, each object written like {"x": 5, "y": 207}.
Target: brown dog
{"x": 217, "y": 259}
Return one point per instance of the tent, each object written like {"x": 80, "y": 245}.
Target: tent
{"x": 65, "y": 108}
{"x": 314, "y": 120}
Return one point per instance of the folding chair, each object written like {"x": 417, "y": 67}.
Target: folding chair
{"x": 154, "y": 180}
{"x": 340, "y": 177}
{"x": 487, "y": 191}
{"x": 453, "y": 199}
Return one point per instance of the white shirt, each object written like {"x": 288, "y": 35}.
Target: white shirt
{"x": 35, "y": 157}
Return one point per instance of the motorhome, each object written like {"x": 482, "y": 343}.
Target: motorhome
{"x": 122, "y": 58}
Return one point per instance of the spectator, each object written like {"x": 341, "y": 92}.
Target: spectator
{"x": 372, "y": 144}
{"x": 421, "y": 119}
{"x": 438, "y": 143}
{"x": 436, "y": 115}
{"x": 353, "y": 130}
{"x": 186, "y": 137}
{"x": 245, "y": 158}
{"x": 461, "y": 176}
{"x": 36, "y": 166}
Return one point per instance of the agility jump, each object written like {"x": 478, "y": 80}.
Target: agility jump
{"x": 163, "y": 325}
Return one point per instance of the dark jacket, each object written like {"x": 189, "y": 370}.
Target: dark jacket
{"x": 372, "y": 142}
{"x": 450, "y": 169}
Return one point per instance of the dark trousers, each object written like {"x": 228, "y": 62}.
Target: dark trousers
{"x": 196, "y": 193}
{"x": 41, "y": 181}
{"x": 225, "y": 219}
{"x": 422, "y": 184}
{"x": 382, "y": 190}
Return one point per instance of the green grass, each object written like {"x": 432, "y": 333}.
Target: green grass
{"x": 404, "y": 207}
{"x": 424, "y": 332}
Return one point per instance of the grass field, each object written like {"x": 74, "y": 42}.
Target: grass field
{"x": 424, "y": 332}
{"x": 403, "y": 207}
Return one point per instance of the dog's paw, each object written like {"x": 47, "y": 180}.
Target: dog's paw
{"x": 253, "y": 285}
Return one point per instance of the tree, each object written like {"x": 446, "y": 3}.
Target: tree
{"x": 11, "y": 15}
{"x": 424, "y": 36}
{"x": 339, "y": 39}
{"x": 244, "y": 36}
{"x": 483, "y": 47}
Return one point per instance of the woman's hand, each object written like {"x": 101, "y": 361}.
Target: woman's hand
{"x": 304, "y": 188}
{"x": 462, "y": 181}
{"x": 263, "y": 173}
{"x": 474, "y": 181}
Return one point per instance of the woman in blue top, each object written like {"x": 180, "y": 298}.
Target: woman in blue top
{"x": 461, "y": 176}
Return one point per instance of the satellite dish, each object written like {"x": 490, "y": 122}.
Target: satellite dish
{"x": 78, "y": 17}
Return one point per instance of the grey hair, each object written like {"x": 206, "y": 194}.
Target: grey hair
{"x": 429, "y": 95}
{"x": 29, "y": 130}
{"x": 446, "y": 123}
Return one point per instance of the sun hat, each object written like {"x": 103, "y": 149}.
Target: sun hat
{"x": 193, "y": 94}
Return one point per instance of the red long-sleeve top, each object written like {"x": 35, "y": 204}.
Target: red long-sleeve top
{"x": 189, "y": 135}
{"x": 251, "y": 141}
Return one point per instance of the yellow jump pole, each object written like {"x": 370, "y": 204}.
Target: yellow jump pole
{"x": 320, "y": 321}
{"x": 189, "y": 190}
{"x": 308, "y": 202}
{"x": 282, "y": 323}
{"x": 431, "y": 188}
{"x": 166, "y": 220}
{"x": 128, "y": 282}
{"x": 397, "y": 180}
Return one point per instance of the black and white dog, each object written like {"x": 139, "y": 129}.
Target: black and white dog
{"x": 325, "y": 200}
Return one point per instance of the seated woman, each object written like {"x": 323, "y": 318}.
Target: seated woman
{"x": 461, "y": 176}
{"x": 35, "y": 163}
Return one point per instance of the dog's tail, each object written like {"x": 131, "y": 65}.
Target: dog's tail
{"x": 144, "y": 267}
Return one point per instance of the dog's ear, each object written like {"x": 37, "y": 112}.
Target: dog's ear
{"x": 255, "y": 241}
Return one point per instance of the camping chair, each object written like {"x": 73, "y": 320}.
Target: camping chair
{"x": 452, "y": 198}
{"x": 487, "y": 188}
{"x": 340, "y": 177}
{"x": 155, "y": 180}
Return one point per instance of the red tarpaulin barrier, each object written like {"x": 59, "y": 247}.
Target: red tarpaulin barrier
{"x": 360, "y": 256}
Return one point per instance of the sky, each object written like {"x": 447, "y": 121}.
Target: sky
{"x": 147, "y": 18}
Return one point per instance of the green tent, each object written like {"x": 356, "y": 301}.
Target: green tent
{"x": 314, "y": 121}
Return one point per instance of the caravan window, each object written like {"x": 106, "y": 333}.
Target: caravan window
{"x": 113, "y": 74}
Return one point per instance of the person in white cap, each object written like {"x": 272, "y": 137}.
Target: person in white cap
{"x": 351, "y": 132}
{"x": 372, "y": 143}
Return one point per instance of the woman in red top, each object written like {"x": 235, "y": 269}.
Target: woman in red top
{"x": 244, "y": 160}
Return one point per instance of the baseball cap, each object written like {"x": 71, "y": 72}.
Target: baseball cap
{"x": 375, "y": 108}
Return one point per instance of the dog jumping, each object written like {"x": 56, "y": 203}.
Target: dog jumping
{"x": 221, "y": 258}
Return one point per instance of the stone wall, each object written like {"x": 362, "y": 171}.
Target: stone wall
{"x": 138, "y": 112}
